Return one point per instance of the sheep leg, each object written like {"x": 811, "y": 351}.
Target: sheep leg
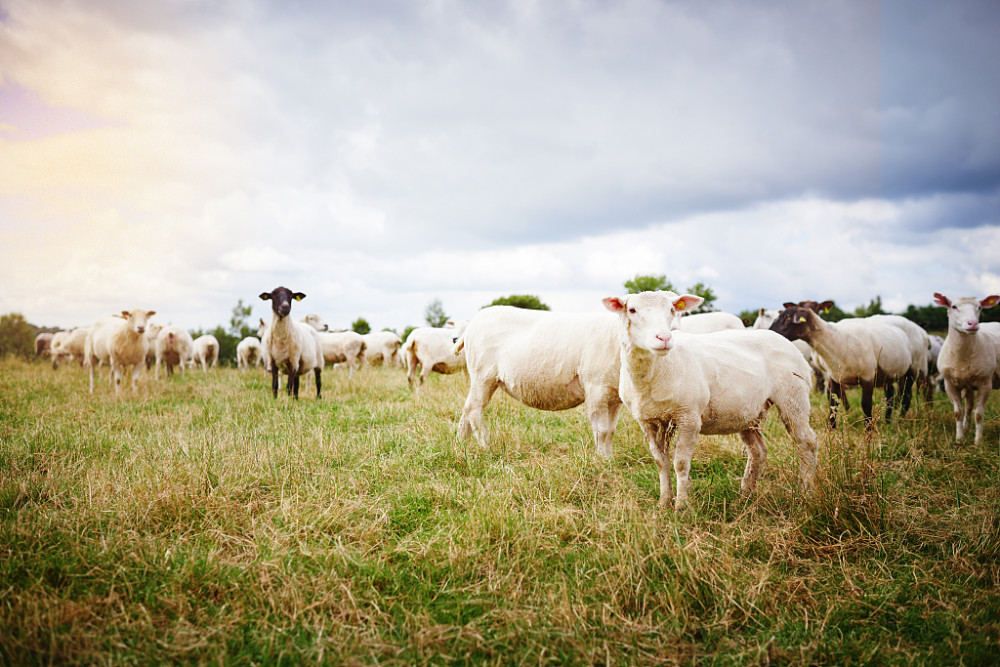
{"x": 836, "y": 394}
{"x": 980, "y": 412}
{"x": 319, "y": 382}
{"x": 908, "y": 381}
{"x": 890, "y": 398}
{"x": 471, "y": 420}
{"x": 796, "y": 421}
{"x": 137, "y": 370}
{"x": 658, "y": 436}
{"x": 955, "y": 395}
{"x": 274, "y": 379}
{"x": 687, "y": 441}
{"x": 411, "y": 370}
{"x": 867, "y": 389}
{"x": 602, "y": 411}
{"x": 756, "y": 448}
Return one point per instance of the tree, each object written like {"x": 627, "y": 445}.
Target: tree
{"x": 361, "y": 326}
{"x": 238, "y": 324}
{"x": 874, "y": 307}
{"x": 434, "y": 314}
{"x": 643, "y": 283}
{"x": 706, "y": 293}
{"x": 16, "y": 336}
{"x": 527, "y": 301}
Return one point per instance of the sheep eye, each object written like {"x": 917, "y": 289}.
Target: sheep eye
{"x": 632, "y": 310}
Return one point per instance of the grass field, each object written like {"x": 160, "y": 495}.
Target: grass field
{"x": 203, "y": 521}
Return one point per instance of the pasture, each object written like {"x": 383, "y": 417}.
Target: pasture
{"x": 203, "y": 521}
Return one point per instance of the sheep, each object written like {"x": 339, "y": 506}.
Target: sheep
{"x": 708, "y": 322}
{"x": 382, "y": 347}
{"x": 173, "y": 346}
{"x": 432, "y": 349}
{"x": 288, "y": 345}
{"x": 121, "y": 341}
{"x": 545, "y": 360}
{"x": 969, "y": 360}
{"x": 861, "y": 351}
{"x": 69, "y": 345}
{"x": 714, "y": 384}
{"x": 934, "y": 380}
{"x": 206, "y": 351}
{"x": 43, "y": 344}
{"x": 339, "y": 347}
{"x": 248, "y": 353}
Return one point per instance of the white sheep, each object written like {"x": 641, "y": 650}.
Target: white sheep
{"x": 43, "y": 344}
{"x": 206, "y": 351}
{"x": 934, "y": 380}
{"x": 714, "y": 384}
{"x": 339, "y": 347}
{"x": 545, "y": 360}
{"x": 969, "y": 360}
{"x": 69, "y": 345}
{"x": 290, "y": 346}
{"x": 248, "y": 353}
{"x": 708, "y": 322}
{"x": 173, "y": 347}
{"x": 152, "y": 331}
{"x": 854, "y": 351}
{"x": 382, "y": 348}
{"x": 120, "y": 341}
{"x": 432, "y": 349}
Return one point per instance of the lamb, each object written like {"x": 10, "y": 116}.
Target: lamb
{"x": 545, "y": 360}
{"x": 708, "y": 322}
{"x": 120, "y": 341}
{"x": 69, "y": 345}
{"x": 288, "y": 345}
{"x": 382, "y": 347}
{"x": 248, "y": 353}
{"x": 714, "y": 383}
{"x": 173, "y": 346}
{"x": 854, "y": 351}
{"x": 969, "y": 360}
{"x": 433, "y": 349}
{"x": 339, "y": 347}
{"x": 206, "y": 351}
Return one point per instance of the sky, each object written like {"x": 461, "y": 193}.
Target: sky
{"x": 183, "y": 155}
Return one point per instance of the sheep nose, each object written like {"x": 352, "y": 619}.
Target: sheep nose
{"x": 140, "y": 329}
{"x": 972, "y": 325}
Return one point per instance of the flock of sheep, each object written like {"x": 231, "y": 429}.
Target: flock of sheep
{"x": 678, "y": 373}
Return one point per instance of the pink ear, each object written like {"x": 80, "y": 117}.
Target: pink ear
{"x": 941, "y": 300}
{"x": 614, "y": 304}
{"x": 990, "y": 301}
{"x": 687, "y": 302}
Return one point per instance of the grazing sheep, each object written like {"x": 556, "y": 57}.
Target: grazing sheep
{"x": 545, "y": 360}
{"x": 121, "y": 341}
{"x": 854, "y": 351}
{"x": 969, "y": 360}
{"x": 206, "y": 351}
{"x": 382, "y": 348}
{"x": 43, "y": 344}
{"x": 432, "y": 349}
{"x": 248, "y": 353}
{"x": 714, "y": 384}
{"x": 69, "y": 345}
{"x": 290, "y": 346}
{"x": 339, "y": 347}
{"x": 708, "y": 322}
{"x": 173, "y": 347}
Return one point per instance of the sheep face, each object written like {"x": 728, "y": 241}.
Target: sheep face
{"x": 963, "y": 312}
{"x": 649, "y": 318}
{"x": 316, "y": 322}
{"x": 138, "y": 319}
{"x": 795, "y": 322}
{"x": 281, "y": 300}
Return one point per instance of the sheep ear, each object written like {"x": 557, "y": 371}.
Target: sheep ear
{"x": 614, "y": 304}
{"x": 990, "y": 301}
{"x": 265, "y": 296}
{"x": 941, "y": 299}
{"x": 825, "y": 306}
{"x": 789, "y": 304}
{"x": 125, "y": 315}
{"x": 151, "y": 313}
{"x": 298, "y": 296}
{"x": 687, "y": 302}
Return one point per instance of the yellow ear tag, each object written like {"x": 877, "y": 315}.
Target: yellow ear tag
{"x": 801, "y": 319}
{"x": 679, "y": 305}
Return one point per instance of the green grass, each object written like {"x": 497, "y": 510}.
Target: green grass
{"x": 203, "y": 521}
